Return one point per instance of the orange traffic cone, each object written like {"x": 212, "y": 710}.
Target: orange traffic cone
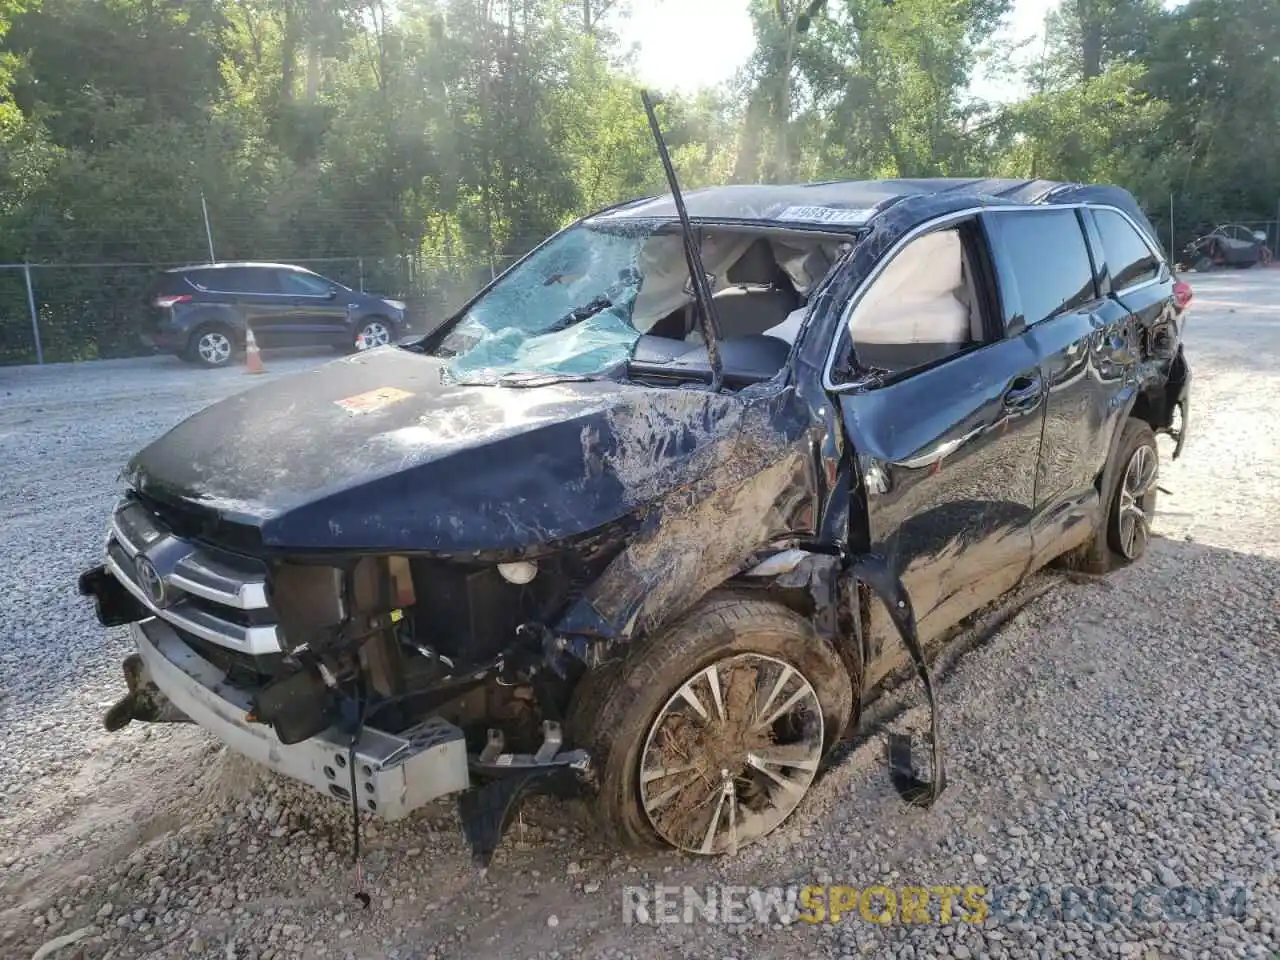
{"x": 252, "y": 356}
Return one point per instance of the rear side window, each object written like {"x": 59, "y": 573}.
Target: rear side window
{"x": 1050, "y": 261}
{"x": 1129, "y": 258}
{"x": 304, "y": 284}
{"x": 237, "y": 280}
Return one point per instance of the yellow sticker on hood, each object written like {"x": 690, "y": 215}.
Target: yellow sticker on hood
{"x": 373, "y": 400}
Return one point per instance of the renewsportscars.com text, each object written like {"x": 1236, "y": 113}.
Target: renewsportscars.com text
{"x": 940, "y": 904}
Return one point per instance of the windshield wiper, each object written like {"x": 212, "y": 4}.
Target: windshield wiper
{"x": 531, "y": 379}
{"x": 578, "y": 314}
{"x": 697, "y": 275}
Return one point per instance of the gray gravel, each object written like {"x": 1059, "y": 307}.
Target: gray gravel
{"x": 1118, "y": 732}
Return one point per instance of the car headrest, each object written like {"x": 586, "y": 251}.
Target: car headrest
{"x": 756, "y": 265}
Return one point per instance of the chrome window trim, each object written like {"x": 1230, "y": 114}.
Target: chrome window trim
{"x": 254, "y": 293}
{"x": 943, "y": 220}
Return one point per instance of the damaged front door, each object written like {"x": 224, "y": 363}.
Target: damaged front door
{"x": 945, "y": 415}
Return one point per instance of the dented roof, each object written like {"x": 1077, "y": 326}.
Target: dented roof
{"x": 850, "y": 204}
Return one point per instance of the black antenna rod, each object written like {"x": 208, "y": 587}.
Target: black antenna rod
{"x": 697, "y": 275}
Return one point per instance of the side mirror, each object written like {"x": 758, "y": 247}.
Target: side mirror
{"x": 333, "y": 293}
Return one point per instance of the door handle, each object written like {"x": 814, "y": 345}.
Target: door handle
{"x": 1024, "y": 392}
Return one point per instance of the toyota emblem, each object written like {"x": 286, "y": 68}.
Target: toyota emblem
{"x": 151, "y": 582}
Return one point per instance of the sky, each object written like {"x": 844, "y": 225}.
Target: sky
{"x": 688, "y": 44}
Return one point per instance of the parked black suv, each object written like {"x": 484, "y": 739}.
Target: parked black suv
{"x": 200, "y": 312}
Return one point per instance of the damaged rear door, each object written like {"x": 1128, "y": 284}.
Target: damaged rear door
{"x": 1083, "y": 340}
{"x": 945, "y": 415}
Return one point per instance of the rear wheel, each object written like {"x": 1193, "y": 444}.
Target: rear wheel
{"x": 1131, "y": 503}
{"x": 211, "y": 346}
{"x": 706, "y": 738}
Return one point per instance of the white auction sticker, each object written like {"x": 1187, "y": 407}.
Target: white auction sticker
{"x": 824, "y": 215}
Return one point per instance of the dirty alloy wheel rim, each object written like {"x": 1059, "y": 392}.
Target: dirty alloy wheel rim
{"x": 1139, "y": 478}
{"x": 374, "y": 334}
{"x": 731, "y": 754}
{"x": 214, "y": 348}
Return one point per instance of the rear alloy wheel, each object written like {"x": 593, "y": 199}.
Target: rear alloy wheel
{"x": 375, "y": 333}
{"x": 212, "y": 347}
{"x": 1129, "y": 489}
{"x": 731, "y": 754}
{"x": 1132, "y": 519}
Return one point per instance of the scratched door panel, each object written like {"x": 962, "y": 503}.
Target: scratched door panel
{"x": 1069, "y": 325}
{"x": 949, "y": 466}
{"x": 1082, "y": 381}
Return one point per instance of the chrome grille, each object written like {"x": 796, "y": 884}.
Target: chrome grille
{"x": 165, "y": 572}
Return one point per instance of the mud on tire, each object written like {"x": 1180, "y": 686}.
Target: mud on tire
{"x": 632, "y": 711}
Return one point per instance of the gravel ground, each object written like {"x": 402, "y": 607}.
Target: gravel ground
{"x": 1118, "y": 732}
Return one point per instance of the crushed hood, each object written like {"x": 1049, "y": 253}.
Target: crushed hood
{"x": 378, "y": 451}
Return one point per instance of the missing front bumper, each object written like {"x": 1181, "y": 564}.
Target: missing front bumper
{"x": 395, "y": 773}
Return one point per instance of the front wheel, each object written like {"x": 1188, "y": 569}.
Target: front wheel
{"x": 371, "y": 333}
{"x": 706, "y": 738}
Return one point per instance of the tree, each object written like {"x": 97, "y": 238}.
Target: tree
{"x": 436, "y": 139}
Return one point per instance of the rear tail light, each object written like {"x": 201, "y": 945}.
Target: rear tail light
{"x": 164, "y": 302}
{"x": 1182, "y": 294}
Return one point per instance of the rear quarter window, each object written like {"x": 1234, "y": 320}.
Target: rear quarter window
{"x": 1050, "y": 261}
{"x": 304, "y": 284}
{"x": 1129, "y": 258}
{"x": 237, "y": 280}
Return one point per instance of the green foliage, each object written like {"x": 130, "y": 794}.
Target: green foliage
{"x": 437, "y": 139}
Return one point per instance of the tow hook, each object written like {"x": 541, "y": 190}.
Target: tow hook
{"x": 144, "y": 701}
{"x": 120, "y": 715}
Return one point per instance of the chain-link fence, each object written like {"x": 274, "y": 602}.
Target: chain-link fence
{"x": 56, "y": 312}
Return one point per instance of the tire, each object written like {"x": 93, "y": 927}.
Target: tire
{"x": 1117, "y": 542}
{"x": 628, "y": 713}
{"x": 1203, "y": 265}
{"x": 212, "y": 345}
{"x": 370, "y": 332}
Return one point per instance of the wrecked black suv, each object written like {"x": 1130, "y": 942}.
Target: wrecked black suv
{"x": 653, "y": 534}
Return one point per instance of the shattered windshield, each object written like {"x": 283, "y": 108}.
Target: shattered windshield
{"x": 566, "y": 310}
